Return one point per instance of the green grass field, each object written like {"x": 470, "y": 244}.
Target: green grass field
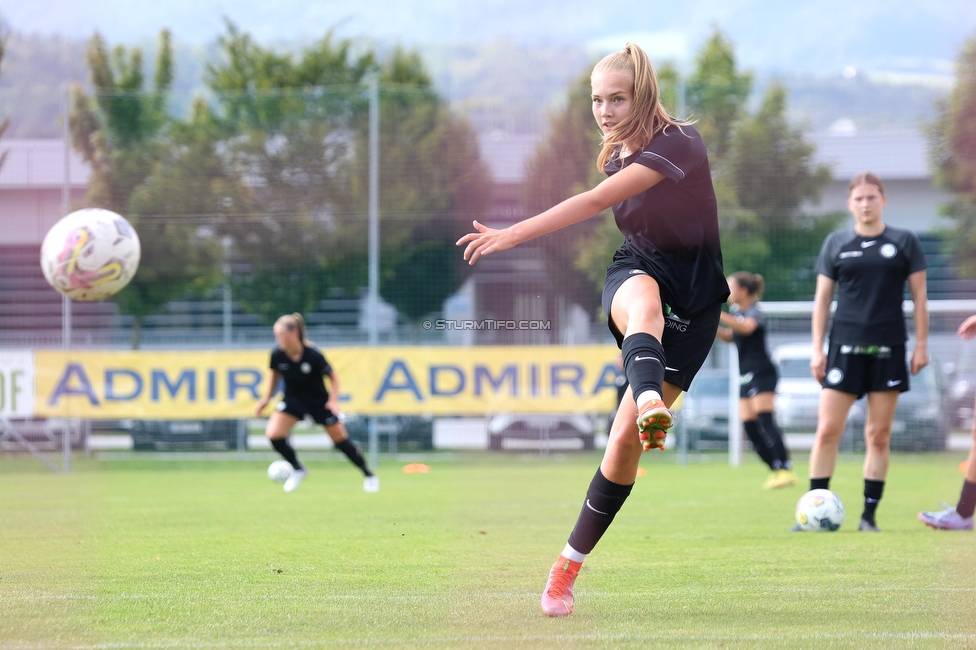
{"x": 211, "y": 554}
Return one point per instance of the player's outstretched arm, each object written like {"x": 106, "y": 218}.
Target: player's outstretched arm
{"x": 968, "y": 328}
{"x": 629, "y": 182}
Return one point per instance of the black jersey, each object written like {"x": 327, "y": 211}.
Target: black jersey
{"x": 753, "y": 356}
{"x": 870, "y": 273}
{"x": 673, "y": 226}
{"x": 303, "y": 379}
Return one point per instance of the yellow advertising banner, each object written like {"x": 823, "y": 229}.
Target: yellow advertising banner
{"x": 193, "y": 384}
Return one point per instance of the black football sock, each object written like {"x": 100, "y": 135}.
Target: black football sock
{"x": 643, "y": 363}
{"x": 603, "y": 501}
{"x": 351, "y": 450}
{"x": 287, "y": 452}
{"x": 758, "y": 442}
{"x": 774, "y": 436}
{"x": 820, "y": 483}
{"x": 872, "y": 495}
{"x": 967, "y": 500}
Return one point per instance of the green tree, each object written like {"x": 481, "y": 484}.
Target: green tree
{"x": 286, "y": 121}
{"x": 717, "y": 93}
{"x": 299, "y": 125}
{"x": 564, "y": 164}
{"x": 953, "y": 148}
{"x": 433, "y": 183}
{"x": 143, "y": 166}
{"x": 772, "y": 171}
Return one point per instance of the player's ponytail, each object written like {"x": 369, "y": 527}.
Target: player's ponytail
{"x": 302, "y": 332}
{"x": 647, "y": 116}
{"x": 753, "y": 283}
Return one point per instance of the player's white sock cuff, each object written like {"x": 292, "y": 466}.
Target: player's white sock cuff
{"x": 571, "y": 553}
{"x": 646, "y": 397}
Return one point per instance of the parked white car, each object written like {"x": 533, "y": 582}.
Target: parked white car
{"x": 797, "y": 393}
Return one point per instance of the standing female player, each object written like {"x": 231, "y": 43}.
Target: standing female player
{"x": 663, "y": 291}
{"x": 303, "y": 368}
{"x": 960, "y": 517}
{"x": 757, "y": 376}
{"x": 868, "y": 266}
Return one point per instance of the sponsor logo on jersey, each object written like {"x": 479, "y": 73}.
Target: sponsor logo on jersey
{"x": 283, "y": 366}
{"x": 888, "y": 251}
{"x": 847, "y": 254}
{"x": 868, "y": 244}
{"x": 674, "y": 322}
{"x": 835, "y": 376}
{"x": 306, "y": 367}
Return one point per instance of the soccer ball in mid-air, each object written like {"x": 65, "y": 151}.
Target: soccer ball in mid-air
{"x": 90, "y": 254}
{"x": 279, "y": 471}
{"x": 820, "y": 510}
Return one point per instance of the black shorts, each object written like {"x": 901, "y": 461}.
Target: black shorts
{"x": 866, "y": 369}
{"x": 686, "y": 340}
{"x": 753, "y": 383}
{"x": 298, "y": 409}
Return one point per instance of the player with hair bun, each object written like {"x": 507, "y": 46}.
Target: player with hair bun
{"x": 868, "y": 267}
{"x": 663, "y": 291}
{"x": 303, "y": 369}
{"x": 757, "y": 376}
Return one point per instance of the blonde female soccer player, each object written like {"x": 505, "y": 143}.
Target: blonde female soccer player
{"x": 960, "y": 517}
{"x": 868, "y": 268}
{"x": 303, "y": 369}
{"x": 663, "y": 291}
{"x": 757, "y": 376}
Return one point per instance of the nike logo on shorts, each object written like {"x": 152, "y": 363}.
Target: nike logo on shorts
{"x": 893, "y": 382}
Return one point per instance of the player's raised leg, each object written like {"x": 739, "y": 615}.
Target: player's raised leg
{"x": 637, "y": 311}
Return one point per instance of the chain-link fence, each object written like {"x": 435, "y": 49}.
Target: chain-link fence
{"x": 344, "y": 203}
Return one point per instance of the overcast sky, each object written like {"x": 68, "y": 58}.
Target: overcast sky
{"x": 906, "y": 35}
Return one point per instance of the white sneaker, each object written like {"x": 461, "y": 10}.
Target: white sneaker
{"x": 371, "y": 484}
{"x": 295, "y": 480}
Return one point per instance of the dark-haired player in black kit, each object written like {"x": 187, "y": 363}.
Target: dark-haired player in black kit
{"x": 869, "y": 267}
{"x": 757, "y": 376}
{"x": 663, "y": 291}
{"x": 303, "y": 369}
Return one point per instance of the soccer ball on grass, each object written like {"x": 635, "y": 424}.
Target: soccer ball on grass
{"x": 820, "y": 510}
{"x": 90, "y": 254}
{"x": 279, "y": 471}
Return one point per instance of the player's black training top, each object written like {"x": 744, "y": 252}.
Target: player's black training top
{"x": 673, "y": 226}
{"x": 753, "y": 356}
{"x": 870, "y": 273}
{"x": 303, "y": 380}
